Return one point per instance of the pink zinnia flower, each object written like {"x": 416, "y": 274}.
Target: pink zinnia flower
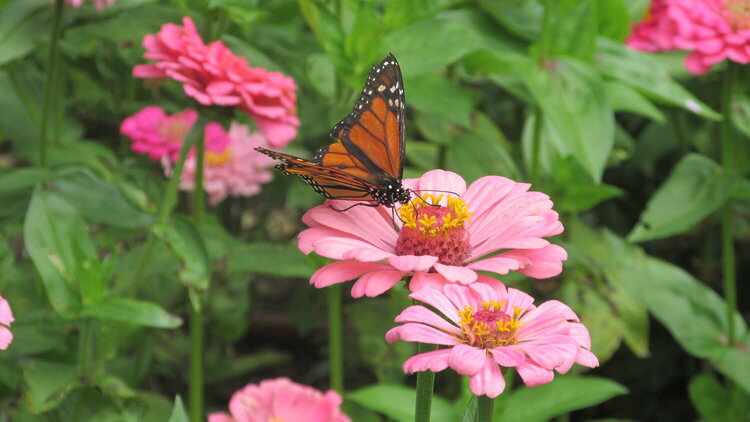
{"x": 213, "y": 75}
{"x": 157, "y": 134}
{"x": 494, "y": 225}
{"x": 99, "y": 4}
{"x": 6, "y": 318}
{"x": 486, "y": 328}
{"x": 713, "y": 30}
{"x": 281, "y": 399}
{"x": 231, "y": 164}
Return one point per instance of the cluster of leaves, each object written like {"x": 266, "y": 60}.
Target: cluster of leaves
{"x": 541, "y": 91}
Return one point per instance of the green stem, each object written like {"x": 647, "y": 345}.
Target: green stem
{"x": 165, "y": 207}
{"x": 545, "y": 38}
{"x": 199, "y": 194}
{"x": 85, "y": 349}
{"x": 728, "y": 151}
{"x": 425, "y": 384}
{"x": 196, "y": 364}
{"x": 335, "y": 338}
{"x": 536, "y": 144}
{"x": 485, "y": 408}
{"x": 49, "y": 81}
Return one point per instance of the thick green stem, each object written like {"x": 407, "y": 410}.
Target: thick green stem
{"x": 425, "y": 384}
{"x": 165, "y": 207}
{"x": 728, "y": 149}
{"x": 196, "y": 364}
{"x": 49, "y": 81}
{"x": 335, "y": 338}
{"x": 485, "y": 408}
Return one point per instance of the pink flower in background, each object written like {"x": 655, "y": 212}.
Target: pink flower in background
{"x": 441, "y": 244}
{"x": 486, "y": 328}
{"x": 232, "y": 166}
{"x": 281, "y": 399}
{"x": 213, "y": 75}
{"x": 712, "y": 30}
{"x": 157, "y": 134}
{"x": 99, "y": 4}
{"x": 6, "y": 318}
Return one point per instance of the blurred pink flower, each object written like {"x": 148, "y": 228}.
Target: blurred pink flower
{"x": 6, "y": 318}
{"x": 437, "y": 244}
{"x": 281, "y": 399}
{"x": 231, "y": 167}
{"x": 157, "y": 134}
{"x": 487, "y": 328}
{"x": 99, "y": 4}
{"x": 213, "y": 75}
{"x": 712, "y": 30}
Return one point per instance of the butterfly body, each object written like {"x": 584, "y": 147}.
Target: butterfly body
{"x": 366, "y": 163}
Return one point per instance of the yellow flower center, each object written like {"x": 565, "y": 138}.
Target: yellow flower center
{"x": 739, "y": 13}
{"x": 215, "y": 159}
{"x": 490, "y": 327}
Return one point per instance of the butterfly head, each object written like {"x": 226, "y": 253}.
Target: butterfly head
{"x": 391, "y": 193}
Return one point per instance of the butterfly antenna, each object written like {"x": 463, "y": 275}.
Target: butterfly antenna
{"x": 364, "y": 204}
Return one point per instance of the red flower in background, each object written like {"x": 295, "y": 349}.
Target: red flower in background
{"x": 213, "y": 75}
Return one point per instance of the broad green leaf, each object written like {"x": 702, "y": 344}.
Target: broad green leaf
{"x": 696, "y": 188}
{"x": 132, "y": 311}
{"x": 48, "y": 383}
{"x": 521, "y": 17}
{"x": 573, "y": 30}
{"x": 573, "y": 98}
{"x": 563, "y": 395}
{"x": 115, "y": 386}
{"x": 95, "y": 156}
{"x": 270, "y": 258}
{"x": 643, "y": 74}
{"x": 99, "y": 201}
{"x": 321, "y": 74}
{"x": 53, "y": 232}
{"x": 23, "y": 178}
{"x": 328, "y": 31}
{"x": 397, "y": 402}
{"x": 20, "y": 23}
{"x": 188, "y": 244}
{"x": 626, "y": 98}
{"x": 575, "y": 191}
{"x": 426, "y": 46}
{"x": 20, "y": 101}
{"x": 481, "y": 151}
{"x": 692, "y": 312}
{"x": 715, "y": 403}
{"x": 436, "y": 95}
{"x": 178, "y": 412}
{"x": 614, "y": 19}
{"x": 470, "y": 411}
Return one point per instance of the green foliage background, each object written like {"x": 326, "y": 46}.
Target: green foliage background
{"x": 626, "y": 144}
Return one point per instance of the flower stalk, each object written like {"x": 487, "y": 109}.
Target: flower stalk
{"x": 485, "y": 409}
{"x": 335, "y": 339}
{"x": 49, "y": 83}
{"x": 196, "y": 311}
{"x": 425, "y": 386}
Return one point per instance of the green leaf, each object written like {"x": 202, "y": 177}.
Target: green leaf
{"x": 428, "y": 45}
{"x": 696, "y": 188}
{"x": 642, "y": 73}
{"x": 19, "y": 25}
{"x": 270, "y": 258}
{"x": 23, "y": 178}
{"x": 132, "y": 311}
{"x": 99, "y": 201}
{"x": 626, "y": 98}
{"x": 715, "y": 403}
{"x": 614, "y": 19}
{"x": 48, "y": 383}
{"x": 178, "y": 412}
{"x": 397, "y": 402}
{"x": 54, "y": 234}
{"x": 563, "y": 395}
{"x": 436, "y": 95}
{"x": 481, "y": 151}
{"x": 322, "y": 75}
{"x": 187, "y": 243}
{"x": 573, "y": 30}
{"x": 521, "y": 17}
{"x": 574, "y": 100}
{"x": 470, "y": 411}
{"x": 328, "y": 31}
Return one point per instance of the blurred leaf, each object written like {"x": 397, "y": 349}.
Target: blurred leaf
{"x": 187, "y": 243}
{"x": 641, "y": 72}
{"x": 99, "y": 201}
{"x": 614, "y": 19}
{"x": 715, "y": 403}
{"x": 19, "y": 25}
{"x": 577, "y": 192}
{"x": 695, "y": 189}
{"x": 436, "y": 95}
{"x": 24, "y": 178}
{"x": 322, "y": 75}
{"x": 692, "y": 312}
{"x": 573, "y": 29}
{"x": 470, "y": 411}
{"x": 132, "y": 311}
{"x": 741, "y": 114}
{"x": 48, "y": 383}
{"x": 397, "y": 402}
{"x": 20, "y": 101}
{"x": 270, "y": 258}
{"x": 521, "y": 17}
{"x": 178, "y": 412}
{"x": 573, "y": 98}
{"x": 328, "y": 31}
{"x": 53, "y": 231}
{"x": 481, "y": 152}
{"x": 426, "y": 46}
{"x": 625, "y": 98}
{"x": 563, "y": 395}
{"x": 95, "y": 156}
{"x": 422, "y": 154}
{"x": 741, "y": 189}
{"x": 115, "y": 387}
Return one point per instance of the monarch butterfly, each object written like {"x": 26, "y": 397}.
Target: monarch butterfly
{"x": 367, "y": 161}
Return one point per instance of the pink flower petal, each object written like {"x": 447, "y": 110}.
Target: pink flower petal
{"x": 376, "y": 283}
{"x": 437, "y": 182}
{"x": 534, "y": 375}
{"x": 6, "y": 315}
{"x": 456, "y": 274}
{"x": 421, "y": 280}
{"x": 6, "y": 337}
{"x": 467, "y": 360}
{"x": 549, "y": 352}
{"x": 339, "y": 272}
{"x": 519, "y": 299}
{"x": 434, "y": 361}
{"x": 422, "y": 315}
{"x": 422, "y": 334}
{"x": 489, "y": 381}
{"x": 507, "y": 357}
{"x": 220, "y": 417}
{"x": 437, "y": 299}
{"x": 410, "y": 263}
